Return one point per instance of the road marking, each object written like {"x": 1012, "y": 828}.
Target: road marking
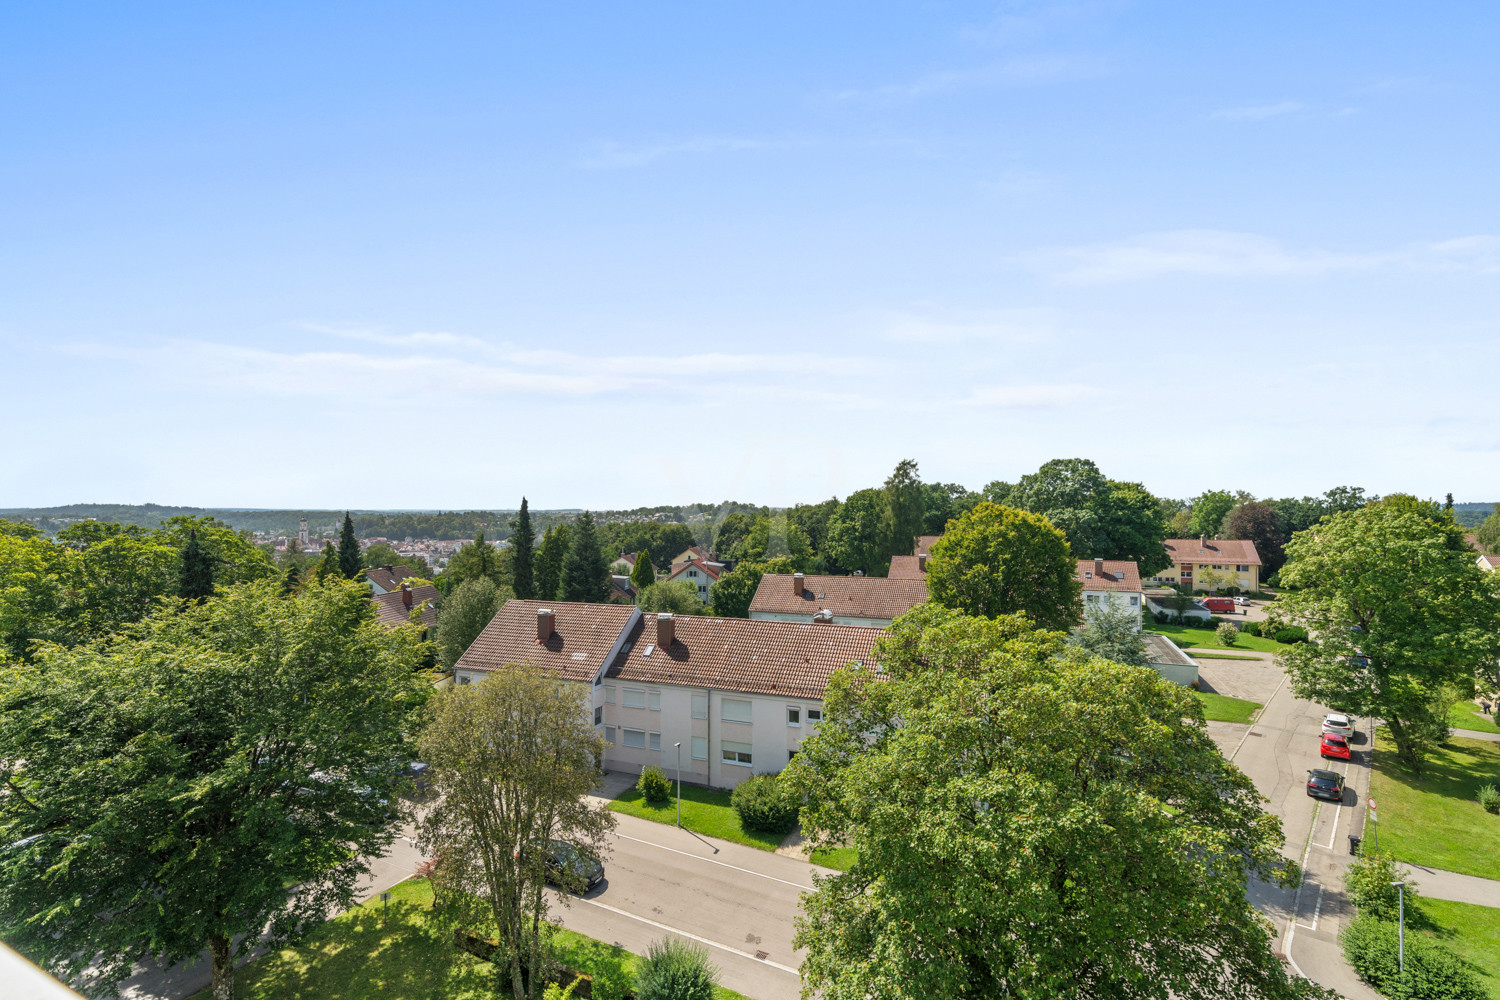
{"x": 686, "y": 934}
{"x": 722, "y": 864}
{"x": 1258, "y": 719}
{"x": 1317, "y": 911}
{"x": 1339, "y": 812}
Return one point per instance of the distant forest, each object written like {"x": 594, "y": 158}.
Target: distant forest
{"x": 1470, "y": 514}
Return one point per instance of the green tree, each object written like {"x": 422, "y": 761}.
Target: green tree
{"x": 237, "y": 559}
{"x": 675, "y": 969}
{"x": 814, "y": 520}
{"x": 997, "y": 560}
{"x": 19, "y": 529}
{"x": 585, "y": 572}
{"x": 642, "y": 576}
{"x": 1209, "y": 510}
{"x": 859, "y": 535}
{"x": 476, "y": 560}
{"x": 34, "y": 584}
{"x": 1259, "y": 523}
{"x": 549, "y": 560}
{"x": 1112, "y": 631}
{"x": 772, "y": 536}
{"x": 383, "y": 554}
{"x": 522, "y": 559}
{"x": 906, "y": 499}
{"x": 115, "y": 581}
{"x": 731, "y": 594}
{"x": 941, "y": 502}
{"x": 677, "y": 596}
{"x": 1488, "y": 532}
{"x": 1106, "y": 852}
{"x": 514, "y": 759}
{"x": 729, "y": 533}
{"x": 1370, "y": 881}
{"x": 196, "y": 575}
{"x": 291, "y": 581}
{"x": 1398, "y": 612}
{"x": 464, "y": 614}
{"x": 1101, "y": 518}
{"x": 328, "y": 566}
{"x": 350, "y": 559}
{"x": 175, "y": 782}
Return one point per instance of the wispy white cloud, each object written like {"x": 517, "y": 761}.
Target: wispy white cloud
{"x": 1255, "y": 112}
{"x": 1020, "y": 71}
{"x": 1216, "y": 253}
{"x": 1007, "y": 325}
{"x": 617, "y": 155}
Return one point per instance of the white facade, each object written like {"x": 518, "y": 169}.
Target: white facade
{"x": 1095, "y": 601}
{"x": 695, "y": 575}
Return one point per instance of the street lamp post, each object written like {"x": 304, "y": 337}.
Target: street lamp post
{"x": 1400, "y": 927}
{"x": 679, "y": 784}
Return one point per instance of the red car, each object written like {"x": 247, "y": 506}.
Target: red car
{"x": 1334, "y": 745}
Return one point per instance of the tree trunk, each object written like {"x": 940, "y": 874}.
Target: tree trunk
{"x": 1405, "y": 752}
{"x": 218, "y": 944}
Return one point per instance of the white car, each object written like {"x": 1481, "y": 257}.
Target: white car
{"x": 1242, "y": 601}
{"x": 1339, "y": 725}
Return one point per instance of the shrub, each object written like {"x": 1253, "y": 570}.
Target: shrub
{"x": 765, "y": 804}
{"x": 1228, "y": 633}
{"x": 1368, "y": 880}
{"x": 1250, "y": 628}
{"x": 1489, "y": 797}
{"x": 1432, "y": 971}
{"x": 675, "y": 969}
{"x": 654, "y": 786}
{"x": 1290, "y": 634}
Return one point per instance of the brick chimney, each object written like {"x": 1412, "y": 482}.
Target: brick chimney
{"x": 922, "y": 562}
{"x": 1098, "y": 566}
{"x": 797, "y": 581}
{"x": 406, "y": 595}
{"x": 666, "y": 630}
{"x": 543, "y": 624}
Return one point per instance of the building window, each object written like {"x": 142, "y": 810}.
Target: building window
{"x": 635, "y": 738}
{"x": 635, "y": 698}
{"x": 609, "y": 735}
{"x": 699, "y": 748}
{"x": 1091, "y": 598}
{"x": 1134, "y": 601}
{"x": 791, "y": 755}
{"x": 463, "y": 680}
{"x": 656, "y": 741}
{"x": 692, "y": 572}
{"x": 1242, "y": 569}
{"x": 735, "y": 753}
{"x": 598, "y": 714}
{"x": 793, "y": 715}
{"x": 700, "y": 706}
{"x": 734, "y": 710}
{"x": 653, "y": 699}
{"x": 609, "y": 694}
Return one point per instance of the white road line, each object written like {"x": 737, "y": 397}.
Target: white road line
{"x": 1339, "y": 812}
{"x": 1258, "y": 718}
{"x": 1291, "y": 931}
{"x": 686, "y": 934}
{"x": 721, "y": 864}
{"x": 1317, "y": 911}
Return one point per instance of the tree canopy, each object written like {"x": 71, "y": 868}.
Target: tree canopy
{"x": 168, "y": 786}
{"x": 907, "y": 502}
{"x": 1209, "y": 510}
{"x": 477, "y": 559}
{"x": 860, "y": 533}
{"x": 350, "y": 559}
{"x": 585, "y": 572}
{"x": 1112, "y": 631}
{"x": 1028, "y": 822}
{"x": 1101, "y": 518}
{"x": 676, "y": 596}
{"x": 522, "y": 559}
{"x": 464, "y": 613}
{"x": 643, "y": 574}
{"x": 996, "y": 560}
{"x": 731, "y": 594}
{"x": 1259, "y": 523}
{"x": 549, "y": 561}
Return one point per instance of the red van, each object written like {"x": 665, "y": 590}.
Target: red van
{"x": 1219, "y": 605}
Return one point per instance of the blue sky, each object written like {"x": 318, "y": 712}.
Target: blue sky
{"x": 395, "y": 255}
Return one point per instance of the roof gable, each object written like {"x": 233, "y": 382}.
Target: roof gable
{"x": 875, "y": 597}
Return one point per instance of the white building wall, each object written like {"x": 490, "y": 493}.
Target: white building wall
{"x": 1095, "y": 600}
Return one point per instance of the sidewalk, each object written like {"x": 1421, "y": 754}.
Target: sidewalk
{"x": 1434, "y": 883}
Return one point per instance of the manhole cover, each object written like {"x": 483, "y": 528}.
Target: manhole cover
{"x": 762, "y": 955}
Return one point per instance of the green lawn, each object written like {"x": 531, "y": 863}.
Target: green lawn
{"x": 704, "y": 811}
{"x": 1465, "y": 715}
{"x": 1472, "y": 932}
{"x": 841, "y": 858}
{"x": 370, "y": 953}
{"x": 1436, "y": 820}
{"x": 1206, "y": 638}
{"x": 1222, "y": 708}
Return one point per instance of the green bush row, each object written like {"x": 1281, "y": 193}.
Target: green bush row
{"x": 1432, "y": 971}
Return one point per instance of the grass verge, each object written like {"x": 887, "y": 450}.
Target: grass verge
{"x": 1207, "y": 638}
{"x": 1469, "y": 931}
{"x": 840, "y": 858}
{"x": 1222, "y": 708}
{"x": 372, "y": 952}
{"x": 1435, "y": 819}
{"x": 704, "y": 811}
{"x": 1465, "y": 715}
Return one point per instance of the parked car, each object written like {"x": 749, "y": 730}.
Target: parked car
{"x": 1219, "y": 605}
{"x": 1333, "y": 745}
{"x": 569, "y": 866}
{"x": 1243, "y": 602}
{"x": 1339, "y": 725}
{"x": 1323, "y": 784}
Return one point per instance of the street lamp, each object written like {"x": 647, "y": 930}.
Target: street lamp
{"x": 679, "y": 784}
{"x": 1401, "y": 926}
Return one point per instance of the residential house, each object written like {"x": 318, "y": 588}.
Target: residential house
{"x": 625, "y": 564}
{"x": 1106, "y": 580}
{"x": 620, "y": 590}
{"x": 923, "y": 545}
{"x": 739, "y": 696}
{"x": 1168, "y": 659}
{"x": 867, "y": 601}
{"x": 1233, "y": 559}
{"x": 1487, "y": 562}
{"x": 395, "y": 607}
{"x": 385, "y": 579}
{"x": 912, "y": 567}
{"x": 700, "y": 573}
{"x": 692, "y": 553}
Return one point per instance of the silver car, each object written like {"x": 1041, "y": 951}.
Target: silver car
{"x": 1339, "y": 725}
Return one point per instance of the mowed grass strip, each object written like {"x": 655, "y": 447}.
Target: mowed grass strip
{"x": 1208, "y": 639}
{"x": 704, "y": 810}
{"x": 1469, "y": 931}
{"x": 839, "y": 858}
{"x": 1465, "y": 715}
{"x": 1435, "y": 819}
{"x": 398, "y": 951}
{"x": 1222, "y": 708}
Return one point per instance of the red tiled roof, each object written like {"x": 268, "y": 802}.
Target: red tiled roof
{"x": 391, "y": 610}
{"x": 1119, "y": 574}
{"x": 905, "y": 568}
{"x": 1235, "y": 551}
{"x": 710, "y": 570}
{"x": 924, "y": 544}
{"x": 846, "y": 596}
{"x": 582, "y": 636}
{"x": 1491, "y": 563}
{"x": 791, "y": 659}
{"x": 388, "y": 579}
{"x": 692, "y": 552}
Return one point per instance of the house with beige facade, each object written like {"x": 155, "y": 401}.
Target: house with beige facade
{"x": 1198, "y": 561}
{"x": 867, "y": 601}
{"x": 701, "y": 575}
{"x": 739, "y": 696}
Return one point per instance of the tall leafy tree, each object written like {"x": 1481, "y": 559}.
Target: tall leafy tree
{"x": 176, "y": 782}
{"x": 476, "y": 560}
{"x": 1102, "y": 518}
{"x": 941, "y": 502}
{"x": 350, "y": 559}
{"x": 1488, "y": 532}
{"x": 549, "y": 562}
{"x": 1259, "y": 523}
{"x": 1112, "y": 632}
{"x": 997, "y": 560}
{"x": 642, "y": 576}
{"x": 1399, "y": 612}
{"x": 464, "y": 614}
{"x": 585, "y": 572}
{"x": 679, "y": 597}
{"x": 729, "y": 533}
{"x": 905, "y": 497}
{"x": 522, "y": 558}
{"x": 731, "y": 594}
{"x": 328, "y": 565}
{"x": 1209, "y": 509}
{"x": 195, "y": 580}
{"x": 1028, "y": 822}
{"x": 514, "y": 759}
{"x": 814, "y": 520}
{"x": 859, "y": 535}
{"x": 772, "y": 536}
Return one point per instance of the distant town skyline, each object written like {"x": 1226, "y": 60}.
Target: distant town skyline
{"x": 612, "y": 257}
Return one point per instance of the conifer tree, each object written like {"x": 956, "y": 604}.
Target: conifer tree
{"x": 328, "y": 566}
{"x": 549, "y": 562}
{"x": 522, "y": 544}
{"x": 350, "y": 560}
{"x": 291, "y": 580}
{"x": 585, "y": 573}
{"x": 196, "y": 580}
{"x": 643, "y": 575}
